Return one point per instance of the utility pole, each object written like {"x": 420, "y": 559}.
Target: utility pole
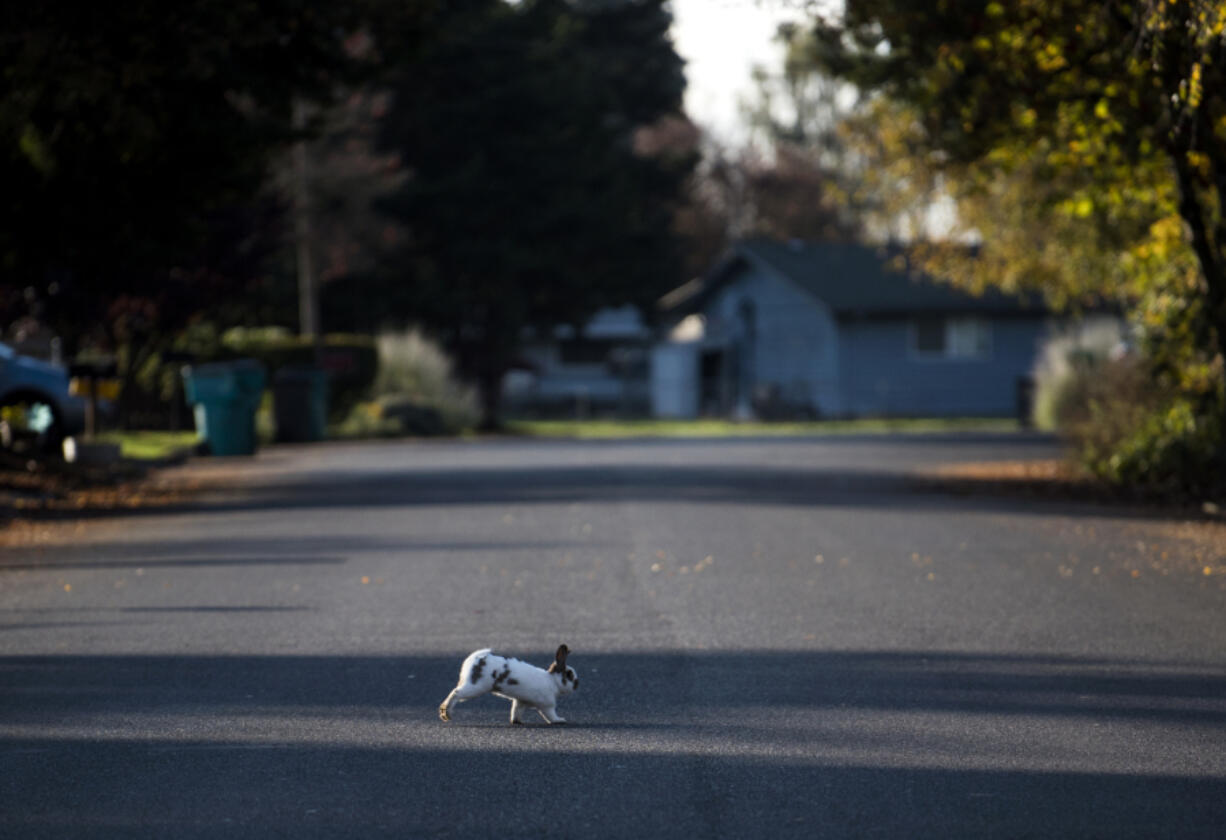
{"x": 308, "y": 293}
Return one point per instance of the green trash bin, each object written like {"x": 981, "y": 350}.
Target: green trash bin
{"x": 300, "y": 404}
{"x": 224, "y": 398}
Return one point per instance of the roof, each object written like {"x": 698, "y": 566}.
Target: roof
{"x": 852, "y": 280}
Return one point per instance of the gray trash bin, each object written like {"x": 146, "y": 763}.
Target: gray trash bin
{"x": 300, "y": 404}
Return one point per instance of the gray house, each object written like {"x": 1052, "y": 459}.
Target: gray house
{"x": 833, "y": 330}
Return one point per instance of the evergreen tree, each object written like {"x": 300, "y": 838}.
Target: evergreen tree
{"x": 135, "y": 141}
{"x": 528, "y": 201}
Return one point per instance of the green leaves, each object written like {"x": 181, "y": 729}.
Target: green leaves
{"x": 129, "y": 128}
{"x": 1084, "y": 145}
{"x": 36, "y": 151}
{"x": 533, "y": 199}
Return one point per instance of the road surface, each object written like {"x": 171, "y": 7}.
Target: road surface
{"x": 774, "y": 638}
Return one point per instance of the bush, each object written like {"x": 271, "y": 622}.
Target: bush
{"x": 1138, "y": 434}
{"x": 154, "y": 398}
{"x": 1065, "y": 363}
{"x": 416, "y": 386}
{"x": 1175, "y": 450}
{"x": 351, "y": 361}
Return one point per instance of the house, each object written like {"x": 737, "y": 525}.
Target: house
{"x": 797, "y": 329}
{"x": 600, "y": 368}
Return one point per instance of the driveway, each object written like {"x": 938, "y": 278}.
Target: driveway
{"x": 785, "y": 638}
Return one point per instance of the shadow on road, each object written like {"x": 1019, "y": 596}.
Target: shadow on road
{"x": 666, "y": 744}
{"x": 320, "y": 791}
{"x": 35, "y": 686}
{"x": 851, "y": 472}
{"x": 749, "y": 485}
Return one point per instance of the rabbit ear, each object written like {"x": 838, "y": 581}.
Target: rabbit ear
{"x": 559, "y": 660}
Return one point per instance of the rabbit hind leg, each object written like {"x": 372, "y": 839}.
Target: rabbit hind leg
{"x": 444, "y": 709}
{"x": 462, "y": 692}
{"x": 457, "y": 695}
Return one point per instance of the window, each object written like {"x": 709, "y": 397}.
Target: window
{"x": 928, "y": 337}
{"x": 951, "y": 338}
{"x": 968, "y": 338}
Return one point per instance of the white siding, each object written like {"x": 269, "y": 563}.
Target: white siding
{"x": 674, "y": 380}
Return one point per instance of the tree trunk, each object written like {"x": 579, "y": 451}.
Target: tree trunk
{"x": 1207, "y": 238}
{"x": 489, "y": 391}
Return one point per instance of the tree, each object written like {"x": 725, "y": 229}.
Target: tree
{"x": 135, "y": 143}
{"x": 783, "y": 194}
{"x": 801, "y": 188}
{"x": 1084, "y": 147}
{"x": 1103, "y": 122}
{"x": 791, "y": 180}
{"x": 532, "y": 199}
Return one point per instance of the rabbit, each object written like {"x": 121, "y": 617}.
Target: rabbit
{"x": 526, "y": 686}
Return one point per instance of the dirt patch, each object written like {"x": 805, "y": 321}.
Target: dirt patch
{"x": 38, "y": 496}
{"x": 1200, "y": 527}
{"x": 1050, "y": 477}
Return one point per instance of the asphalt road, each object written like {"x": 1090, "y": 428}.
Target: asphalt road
{"x": 773, "y": 639}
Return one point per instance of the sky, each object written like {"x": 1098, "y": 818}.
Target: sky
{"x": 721, "y": 41}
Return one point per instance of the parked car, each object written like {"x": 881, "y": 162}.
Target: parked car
{"x": 37, "y": 411}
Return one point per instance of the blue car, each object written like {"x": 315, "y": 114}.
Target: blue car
{"x": 36, "y": 409}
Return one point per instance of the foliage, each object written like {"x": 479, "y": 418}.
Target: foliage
{"x": 787, "y": 194}
{"x": 351, "y": 361}
{"x": 413, "y": 370}
{"x": 1066, "y": 361}
{"x": 1044, "y": 122}
{"x": 530, "y": 201}
{"x": 808, "y": 191}
{"x": 1135, "y": 435}
{"x": 614, "y": 429}
{"x": 136, "y": 144}
{"x": 1084, "y": 147}
{"x": 129, "y": 129}
{"x": 1176, "y": 450}
{"x": 792, "y": 181}
{"x": 345, "y": 177}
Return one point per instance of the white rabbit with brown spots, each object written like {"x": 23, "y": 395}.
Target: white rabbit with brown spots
{"x": 526, "y": 686}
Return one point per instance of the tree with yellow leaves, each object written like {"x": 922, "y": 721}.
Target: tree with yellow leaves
{"x": 1084, "y": 146}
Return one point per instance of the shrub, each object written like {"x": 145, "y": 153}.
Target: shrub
{"x": 1103, "y": 402}
{"x": 1140, "y": 434}
{"x": 416, "y": 385}
{"x": 351, "y": 361}
{"x": 1065, "y": 362}
{"x": 1174, "y": 449}
{"x": 154, "y": 398}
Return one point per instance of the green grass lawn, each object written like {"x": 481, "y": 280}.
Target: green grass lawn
{"x": 158, "y": 445}
{"x": 150, "y": 446}
{"x": 729, "y": 428}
